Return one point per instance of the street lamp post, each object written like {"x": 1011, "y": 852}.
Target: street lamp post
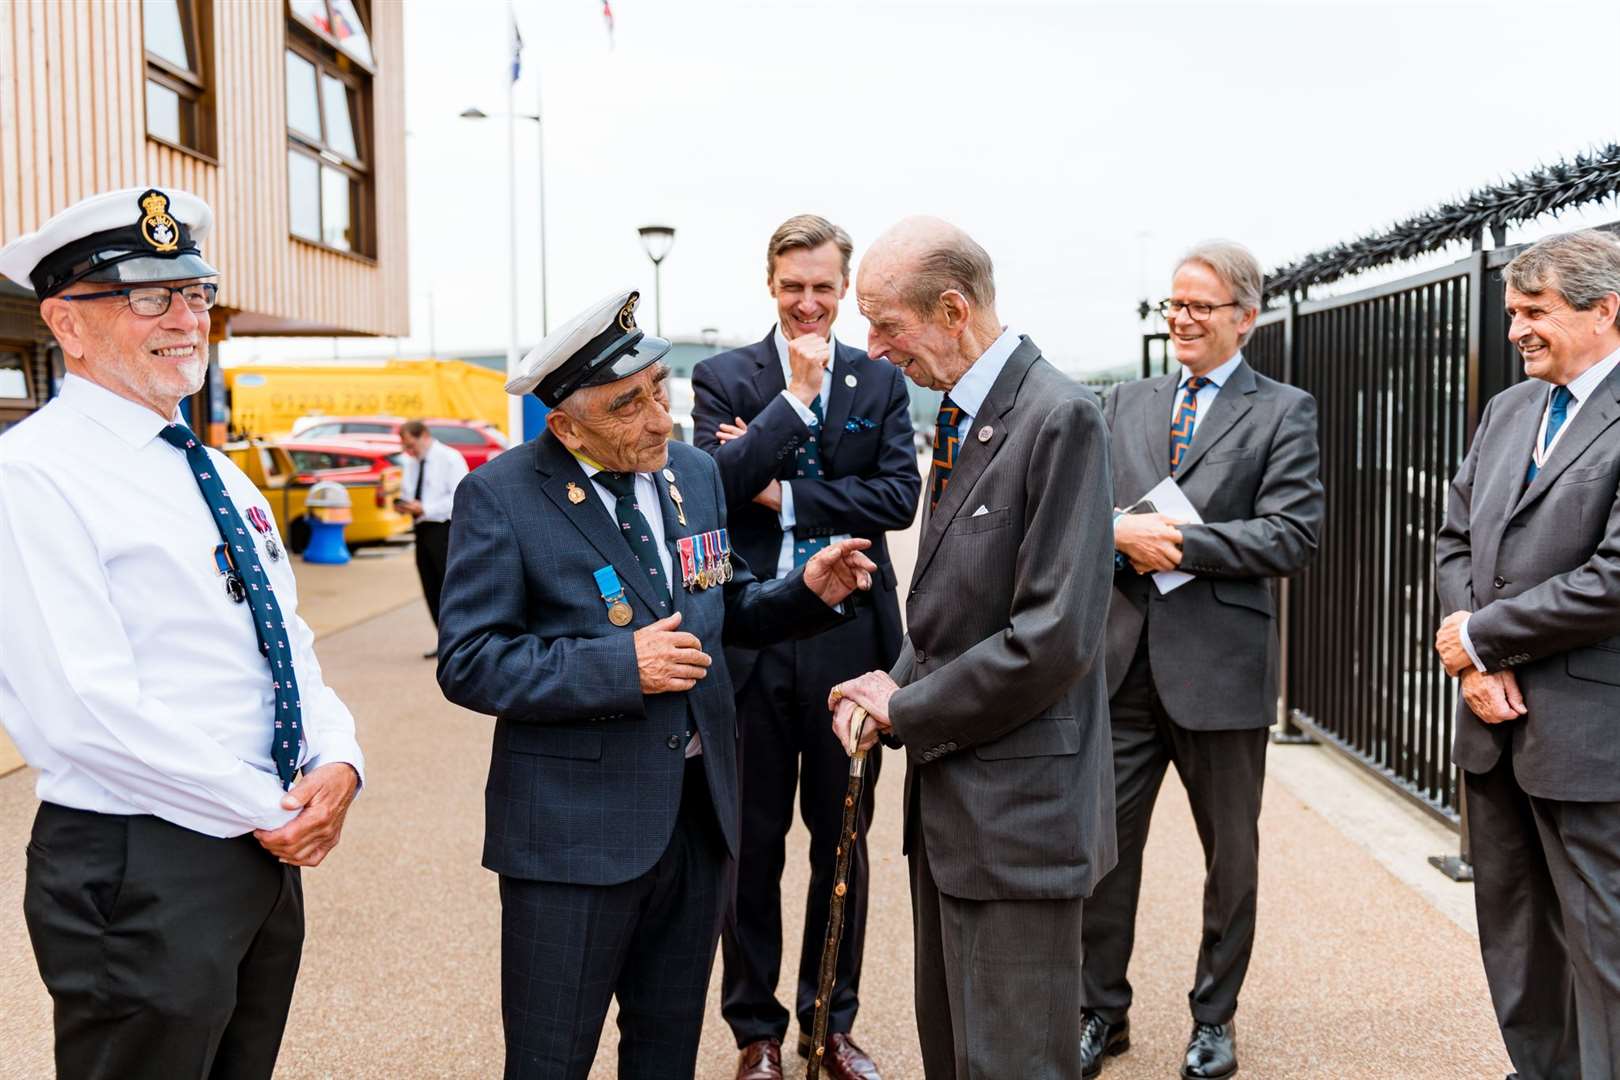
{"x": 515, "y": 420}
{"x": 656, "y": 240}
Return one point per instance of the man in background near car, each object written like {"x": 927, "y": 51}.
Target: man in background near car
{"x": 432, "y": 471}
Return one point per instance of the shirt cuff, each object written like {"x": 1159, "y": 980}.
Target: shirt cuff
{"x": 341, "y": 748}
{"x": 801, "y": 408}
{"x": 788, "y": 518}
{"x": 1468, "y": 645}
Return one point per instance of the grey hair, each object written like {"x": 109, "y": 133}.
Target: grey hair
{"x": 1582, "y": 266}
{"x": 1237, "y": 268}
{"x": 955, "y": 264}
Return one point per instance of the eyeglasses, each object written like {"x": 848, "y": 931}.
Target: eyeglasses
{"x": 1198, "y": 312}
{"x": 154, "y": 300}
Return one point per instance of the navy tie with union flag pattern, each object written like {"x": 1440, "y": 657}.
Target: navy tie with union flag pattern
{"x": 637, "y": 532}
{"x": 809, "y": 468}
{"x": 268, "y": 624}
{"x": 947, "y": 440}
{"x": 1181, "y": 428}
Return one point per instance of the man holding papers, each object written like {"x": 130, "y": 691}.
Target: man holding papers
{"x": 1216, "y": 469}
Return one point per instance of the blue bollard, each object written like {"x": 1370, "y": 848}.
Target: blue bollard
{"x": 326, "y": 544}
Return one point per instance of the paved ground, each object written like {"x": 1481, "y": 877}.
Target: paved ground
{"x": 1362, "y": 969}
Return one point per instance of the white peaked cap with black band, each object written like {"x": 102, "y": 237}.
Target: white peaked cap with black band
{"x": 599, "y": 345}
{"x": 130, "y": 236}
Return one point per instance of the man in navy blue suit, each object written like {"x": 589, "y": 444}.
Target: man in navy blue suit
{"x": 814, "y": 443}
{"x": 589, "y": 587}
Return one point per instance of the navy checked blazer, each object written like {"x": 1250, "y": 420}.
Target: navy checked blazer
{"x": 585, "y": 771}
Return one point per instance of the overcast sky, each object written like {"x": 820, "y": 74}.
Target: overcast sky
{"x": 1084, "y": 145}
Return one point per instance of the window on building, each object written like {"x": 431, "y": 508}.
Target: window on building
{"x": 179, "y": 107}
{"x": 16, "y": 386}
{"x": 330, "y": 187}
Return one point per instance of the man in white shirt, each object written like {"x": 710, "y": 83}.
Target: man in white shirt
{"x": 432, "y": 471}
{"x": 155, "y": 672}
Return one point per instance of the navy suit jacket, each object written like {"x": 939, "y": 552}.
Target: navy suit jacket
{"x": 869, "y": 479}
{"x": 585, "y": 772}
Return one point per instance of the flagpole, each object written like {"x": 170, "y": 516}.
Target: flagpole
{"x": 540, "y": 159}
{"x": 514, "y": 403}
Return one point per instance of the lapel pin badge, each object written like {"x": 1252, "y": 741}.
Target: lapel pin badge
{"x": 986, "y": 432}
{"x": 850, "y": 381}
{"x": 576, "y": 494}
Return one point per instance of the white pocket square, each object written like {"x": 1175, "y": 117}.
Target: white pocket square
{"x": 981, "y": 510}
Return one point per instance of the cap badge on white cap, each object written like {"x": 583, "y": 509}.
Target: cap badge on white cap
{"x": 157, "y": 227}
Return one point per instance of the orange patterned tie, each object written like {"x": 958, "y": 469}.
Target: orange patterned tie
{"x": 947, "y": 437}
{"x": 1181, "y": 428}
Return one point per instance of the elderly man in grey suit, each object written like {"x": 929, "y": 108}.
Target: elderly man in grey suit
{"x": 1529, "y": 564}
{"x": 1192, "y": 671}
{"x": 998, "y": 695}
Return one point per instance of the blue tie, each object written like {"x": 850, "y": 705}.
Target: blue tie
{"x": 947, "y": 439}
{"x": 1556, "y": 415}
{"x": 267, "y": 621}
{"x": 1181, "y": 428}
{"x": 809, "y": 468}
{"x": 636, "y": 529}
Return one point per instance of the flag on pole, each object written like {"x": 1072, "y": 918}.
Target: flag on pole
{"x": 607, "y": 17}
{"x": 517, "y": 50}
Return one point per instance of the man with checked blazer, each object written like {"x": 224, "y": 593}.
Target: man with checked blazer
{"x": 814, "y": 443}
{"x": 1528, "y": 562}
{"x": 588, "y": 592}
{"x": 1192, "y": 672}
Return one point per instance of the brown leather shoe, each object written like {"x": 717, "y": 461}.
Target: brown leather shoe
{"x": 844, "y": 1061}
{"x": 760, "y": 1060}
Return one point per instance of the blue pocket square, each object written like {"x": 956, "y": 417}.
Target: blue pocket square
{"x": 859, "y": 423}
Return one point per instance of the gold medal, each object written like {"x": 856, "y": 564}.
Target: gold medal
{"x": 619, "y": 613}
{"x": 576, "y": 495}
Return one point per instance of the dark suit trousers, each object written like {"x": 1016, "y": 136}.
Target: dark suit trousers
{"x": 1223, "y": 772}
{"x": 567, "y": 950}
{"x": 168, "y": 954}
{"x": 432, "y": 552}
{"x": 997, "y": 982}
{"x": 1547, "y": 890}
{"x": 786, "y": 744}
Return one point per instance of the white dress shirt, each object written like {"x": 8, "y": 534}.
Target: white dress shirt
{"x": 445, "y": 468}
{"x": 784, "y": 560}
{"x": 128, "y": 677}
{"x": 1580, "y": 388}
{"x": 1208, "y": 392}
{"x": 974, "y": 386}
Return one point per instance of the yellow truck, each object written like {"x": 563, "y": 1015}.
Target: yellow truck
{"x": 266, "y": 398}
{"x": 372, "y": 479}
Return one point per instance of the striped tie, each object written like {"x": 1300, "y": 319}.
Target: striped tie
{"x": 947, "y": 438}
{"x": 1181, "y": 428}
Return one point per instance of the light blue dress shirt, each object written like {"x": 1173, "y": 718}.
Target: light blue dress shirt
{"x": 1210, "y": 390}
{"x": 974, "y": 386}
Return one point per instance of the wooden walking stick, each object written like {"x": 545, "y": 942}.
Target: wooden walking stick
{"x": 835, "y": 910}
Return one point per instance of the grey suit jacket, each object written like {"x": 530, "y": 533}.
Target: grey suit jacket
{"x": 1252, "y": 474}
{"x": 1002, "y": 710}
{"x": 1539, "y": 567}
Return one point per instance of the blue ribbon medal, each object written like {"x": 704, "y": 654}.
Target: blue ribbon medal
{"x": 607, "y": 583}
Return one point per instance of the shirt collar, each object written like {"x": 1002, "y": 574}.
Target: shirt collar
{"x": 134, "y": 423}
{"x": 1581, "y": 387}
{"x": 1219, "y": 375}
{"x": 974, "y": 386}
{"x": 591, "y": 468}
{"x": 782, "y": 351}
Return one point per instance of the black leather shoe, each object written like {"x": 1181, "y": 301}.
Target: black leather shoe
{"x": 1211, "y": 1052}
{"x": 1100, "y": 1039}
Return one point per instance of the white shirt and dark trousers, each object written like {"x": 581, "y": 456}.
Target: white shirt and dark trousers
{"x": 168, "y": 938}
{"x": 432, "y": 481}
{"x": 863, "y": 482}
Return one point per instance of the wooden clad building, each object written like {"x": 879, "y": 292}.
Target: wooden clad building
{"x": 286, "y": 116}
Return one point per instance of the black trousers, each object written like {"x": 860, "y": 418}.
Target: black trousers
{"x": 567, "y": 950}
{"x": 1547, "y": 891}
{"x": 787, "y": 744}
{"x": 168, "y": 954}
{"x": 1223, "y": 772}
{"x": 432, "y": 552}
{"x": 997, "y": 982}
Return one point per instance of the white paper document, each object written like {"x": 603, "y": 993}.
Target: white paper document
{"x": 1168, "y": 499}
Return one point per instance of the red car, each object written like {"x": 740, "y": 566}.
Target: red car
{"x": 473, "y": 439}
